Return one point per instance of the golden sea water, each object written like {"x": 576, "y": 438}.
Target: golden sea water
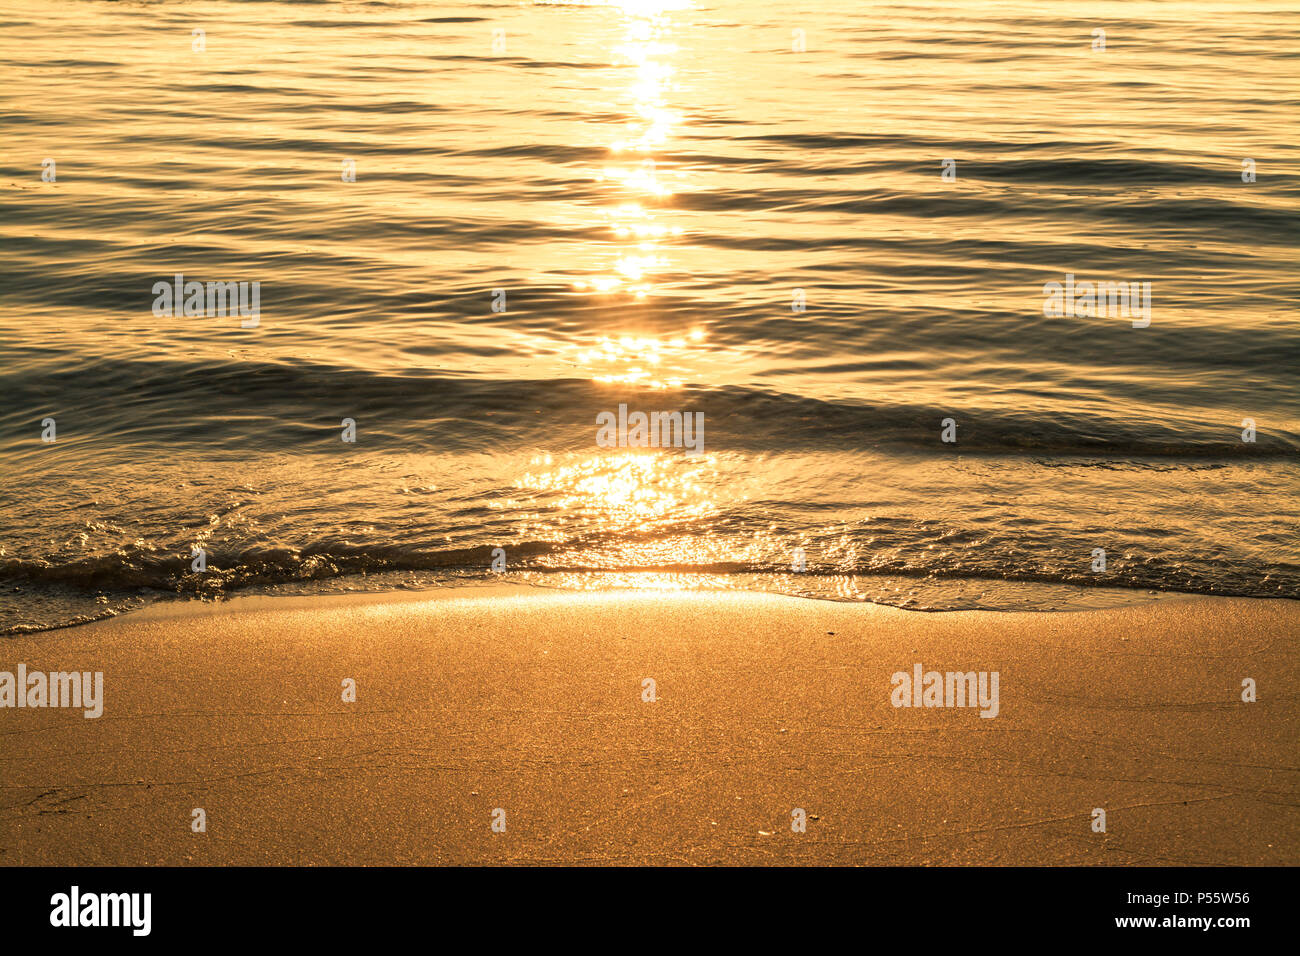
{"x": 736, "y": 209}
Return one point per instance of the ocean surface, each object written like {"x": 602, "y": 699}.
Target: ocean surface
{"x": 739, "y": 209}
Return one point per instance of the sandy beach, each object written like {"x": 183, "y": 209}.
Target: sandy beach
{"x": 531, "y": 702}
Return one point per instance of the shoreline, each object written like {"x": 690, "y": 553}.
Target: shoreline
{"x": 530, "y": 700}
{"x": 1078, "y": 597}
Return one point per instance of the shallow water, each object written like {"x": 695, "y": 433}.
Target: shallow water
{"x": 655, "y": 186}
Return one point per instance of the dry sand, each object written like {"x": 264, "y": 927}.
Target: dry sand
{"x": 531, "y": 701}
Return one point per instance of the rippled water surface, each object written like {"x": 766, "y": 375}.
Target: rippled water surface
{"x": 737, "y": 209}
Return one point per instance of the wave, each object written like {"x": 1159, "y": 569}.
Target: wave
{"x": 240, "y": 405}
{"x": 43, "y": 595}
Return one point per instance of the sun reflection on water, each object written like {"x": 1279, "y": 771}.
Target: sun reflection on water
{"x": 638, "y": 360}
{"x": 643, "y": 186}
{"x": 615, "y": 493}
{"x": 635, "y": 510}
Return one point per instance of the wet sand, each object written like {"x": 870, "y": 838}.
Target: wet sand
{"x": 530, "y": 701}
